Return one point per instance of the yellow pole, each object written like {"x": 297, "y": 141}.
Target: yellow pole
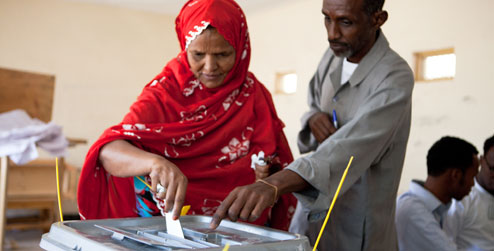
{"x": 332, "y": 203}
{"x": 58, "y": 192}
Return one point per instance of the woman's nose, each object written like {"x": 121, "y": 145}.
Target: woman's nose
{"x": 211, "y": 63}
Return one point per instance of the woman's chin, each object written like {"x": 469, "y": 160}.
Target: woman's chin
{"x": 212, "y": 83}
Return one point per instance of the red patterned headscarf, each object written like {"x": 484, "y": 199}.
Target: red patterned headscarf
{"x": 210, "y": 134}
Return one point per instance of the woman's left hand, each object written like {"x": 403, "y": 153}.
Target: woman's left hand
{"x": 262, "y": 171}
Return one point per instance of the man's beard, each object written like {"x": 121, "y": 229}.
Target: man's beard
{"x": 342, "y": 54}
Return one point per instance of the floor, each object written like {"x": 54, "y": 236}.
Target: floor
{"x": 25, "y": 240}
{"x": 22, "y": 240}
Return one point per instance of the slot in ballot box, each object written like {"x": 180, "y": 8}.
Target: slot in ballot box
{"x": 150, "y": 234}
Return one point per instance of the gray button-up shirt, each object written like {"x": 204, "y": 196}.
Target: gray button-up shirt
{"x": 373, "y": 112}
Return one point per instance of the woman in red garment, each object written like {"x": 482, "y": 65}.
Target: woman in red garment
{"x": 193, "y": 129}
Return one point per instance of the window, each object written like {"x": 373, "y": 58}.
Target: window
{"x": 286, "y": 83}
{"x": 435, "y": 65}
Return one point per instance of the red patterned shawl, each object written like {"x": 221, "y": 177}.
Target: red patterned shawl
{"x": 210, "y": 134}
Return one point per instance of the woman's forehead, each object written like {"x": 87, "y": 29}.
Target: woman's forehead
{"x": 210, "y": 39}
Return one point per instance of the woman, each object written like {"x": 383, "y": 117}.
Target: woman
{"x": 193, "y": 129}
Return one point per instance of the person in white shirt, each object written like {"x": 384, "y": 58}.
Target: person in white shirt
{"x": 471, "y": 220}
{"x": 452, "y": 164}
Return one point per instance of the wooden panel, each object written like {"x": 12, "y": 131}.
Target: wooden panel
{"x": 34, "y": 179}
{"x": 32, "y": 92}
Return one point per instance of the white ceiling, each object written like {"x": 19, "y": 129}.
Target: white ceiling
{"x": 173, "y": 6}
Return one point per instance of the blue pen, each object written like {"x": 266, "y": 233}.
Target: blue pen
{"x": 335, "y": 120}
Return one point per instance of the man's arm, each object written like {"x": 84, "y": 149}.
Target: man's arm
{"x": 306, "y": 139}
{"x": 370, "y": 133}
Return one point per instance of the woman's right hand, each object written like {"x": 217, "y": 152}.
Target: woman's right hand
{"x": 122, "y": 159}
{"x": 173, "y": 180}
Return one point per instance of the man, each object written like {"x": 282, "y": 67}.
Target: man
{"x": 452, "y": 164}
{"x": 369, "y": 86}
{"x": 471, "y": 220}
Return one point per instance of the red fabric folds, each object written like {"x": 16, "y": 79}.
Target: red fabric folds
{"x": 210, "y": 134}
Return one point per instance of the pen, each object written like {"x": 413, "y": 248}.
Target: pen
{"x": 335, "y": 120}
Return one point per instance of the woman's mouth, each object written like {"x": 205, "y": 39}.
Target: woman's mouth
{"x": 211, "y": 76}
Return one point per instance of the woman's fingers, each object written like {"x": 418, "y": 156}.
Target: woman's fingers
{"x": 179, "y": 199}
{"x": 174, "y": 182}
{"x": 262, "y": 171}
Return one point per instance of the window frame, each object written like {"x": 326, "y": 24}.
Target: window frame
{"x": 420, "y": 61}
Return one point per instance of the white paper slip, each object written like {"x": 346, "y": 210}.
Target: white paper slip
{"x": 173, "y": 227}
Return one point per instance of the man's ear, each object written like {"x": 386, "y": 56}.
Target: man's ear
{"x": 380, "y": 18}
{"x": 455, "y": 175}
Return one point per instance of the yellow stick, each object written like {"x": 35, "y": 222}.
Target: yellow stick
{"x": 227, "y": 246}
{"x": 145, "y": 183}
{"x": 58, "y": 192}
{"x": 332, "y": 203}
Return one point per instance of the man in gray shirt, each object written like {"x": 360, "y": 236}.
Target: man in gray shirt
{"x": 373, "y": 108}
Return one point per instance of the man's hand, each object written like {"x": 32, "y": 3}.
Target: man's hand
{"x": 321, "y": 126}
{"x": 246, "y": 202}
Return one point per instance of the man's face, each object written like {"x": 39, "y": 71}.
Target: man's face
{"x": 351, "y": 31}
{"x": 466, "y": 182}
{"x": 486, "y": 174}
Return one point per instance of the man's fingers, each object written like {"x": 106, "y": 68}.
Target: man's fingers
{"x": 321, "y": 126}
{"x": 258, "y": 209}
{"x": 245, "y": 214}
{"x": 236, "y": 205}
{"x": 220, "y": 213}
{"x": 320, "y": 136}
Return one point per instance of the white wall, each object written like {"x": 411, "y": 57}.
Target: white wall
{"x": 102, "y": 56}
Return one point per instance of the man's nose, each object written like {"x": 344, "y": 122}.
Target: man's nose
{"x": 333, "y": 32}
{"x": 211, "y": 63}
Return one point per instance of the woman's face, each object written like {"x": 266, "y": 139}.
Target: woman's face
{"x": 210, "y": 58}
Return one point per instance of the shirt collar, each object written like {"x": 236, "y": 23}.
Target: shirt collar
{"x": 430, "y": 201}
{"x": 481, "y": 189}
{"x": 368, "y": 62}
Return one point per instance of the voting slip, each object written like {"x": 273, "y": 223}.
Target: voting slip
{"x": 173, "y": 227}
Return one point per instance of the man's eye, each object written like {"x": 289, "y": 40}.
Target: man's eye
{"x": 198, "y": 54}
{"x": 346, "y": 22}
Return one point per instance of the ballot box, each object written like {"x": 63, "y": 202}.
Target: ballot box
{"x": 151, "y": 234}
